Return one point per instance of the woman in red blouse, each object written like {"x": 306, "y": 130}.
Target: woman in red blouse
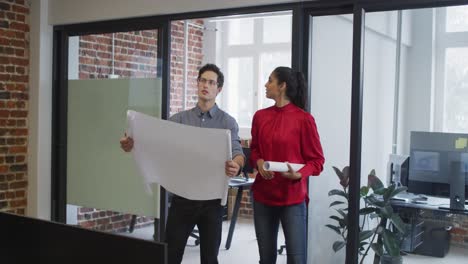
{"x": 284, "y": 132}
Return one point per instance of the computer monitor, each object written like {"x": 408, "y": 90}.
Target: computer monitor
{"x": 439, "y": 166}
{"x": 397, "y": 169}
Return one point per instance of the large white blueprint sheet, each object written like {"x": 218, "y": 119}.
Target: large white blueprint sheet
{"x": 187, "y": 161}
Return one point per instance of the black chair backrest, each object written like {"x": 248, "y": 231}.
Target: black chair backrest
{"x": 247, "y": 168}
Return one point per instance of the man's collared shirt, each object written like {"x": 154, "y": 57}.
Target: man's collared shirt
{"x": 213, "y": 118}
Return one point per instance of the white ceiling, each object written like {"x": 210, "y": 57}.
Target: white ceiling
{"x": 63, "y": 12}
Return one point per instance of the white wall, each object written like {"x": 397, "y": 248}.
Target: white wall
{"x": 416, "y": 98}
{"x": 379, "y": 87}
{"x": 72, "y": 11}
{"x": 40, "y": 112}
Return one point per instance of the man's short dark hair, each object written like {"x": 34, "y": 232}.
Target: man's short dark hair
{"x": 215, "y": 69}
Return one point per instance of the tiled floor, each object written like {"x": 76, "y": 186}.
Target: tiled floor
{"x": 244, "y": 248}
{"x": 456, "y": 255}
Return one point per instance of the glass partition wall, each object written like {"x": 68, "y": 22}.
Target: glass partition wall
{"x": 414, "y": 127}
{"x": 109, "y": 74}
{"x": 413, "y": 76}
{"x": 330, "y": 104}
{"x": 103, "y": 73}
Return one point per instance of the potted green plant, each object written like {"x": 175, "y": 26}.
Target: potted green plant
{"x": 385, "y": 237}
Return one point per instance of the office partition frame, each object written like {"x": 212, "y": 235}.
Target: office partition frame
{"x": 360, "y": 9}
{"x": 60, "y": 99}
{"x": 302, "y": 12}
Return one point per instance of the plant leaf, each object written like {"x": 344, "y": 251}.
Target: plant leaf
{"x": 374, "y": 182}
{"x": 342, "y": 213}
{"x": 338, "y": 192}
{"x": 388, "y": 192}
{"x": 336, "y": 203}
{"x": 345, "y": 180}
{"x": 386, "y": 211}
{"x": 365, "y": 235}
{"x": 362, "y": 247}
{"x": 338, "y": 173}
{"x": 364, "y": 191}
{"x": 373, "y": 200}
{"x": 346, "y": 172}
{"x": 340, "y": 221}
{"x": 391, "y": 243}
{"x": 377, "y": 247}
{"x": 367, "y": 210}
{"x": 334, "y": 228}
{"x": 337, "y": 245}
{"x": 399, "y": 224}
{"x": 379, "y": 229}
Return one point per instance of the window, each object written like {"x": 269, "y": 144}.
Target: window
{"x": 457, "y": 19}
{"x": 248, "y": 48}
{"x": 456, "y": 90}
{"x": 451, "y": 100}
{"x": 240, "y": 92}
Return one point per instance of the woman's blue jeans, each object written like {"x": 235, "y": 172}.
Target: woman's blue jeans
{"x": 293, "y": 221}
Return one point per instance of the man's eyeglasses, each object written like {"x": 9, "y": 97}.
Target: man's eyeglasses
{"x": 210, "y": 82}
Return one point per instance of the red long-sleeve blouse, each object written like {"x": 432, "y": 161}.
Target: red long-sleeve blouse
{"x": 282, "y": 134}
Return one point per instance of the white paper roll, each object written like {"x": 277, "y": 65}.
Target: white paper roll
{"x": 280, "y": 166}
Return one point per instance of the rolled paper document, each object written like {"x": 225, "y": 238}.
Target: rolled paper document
{"x": 280, "y": 166}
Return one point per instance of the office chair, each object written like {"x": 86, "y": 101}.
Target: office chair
{"x": 280, "y": 250}
{"x": 197, "y": 237}
{"x": 131, "y": 227}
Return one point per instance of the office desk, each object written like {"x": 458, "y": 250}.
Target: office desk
{"x": 432, "y": 203}
{"x": 427, "y": 236}
{"x": 241, "y": 185}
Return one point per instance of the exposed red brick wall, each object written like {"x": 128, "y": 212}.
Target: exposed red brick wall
{"x": 195, "y": 57}
{"x": 458, "y": 222}
{"x": 246, "y": 206}
{"x": 107, "y": 220}
{"x": 135, "y": 55}
{"x": 14, "y": 95}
